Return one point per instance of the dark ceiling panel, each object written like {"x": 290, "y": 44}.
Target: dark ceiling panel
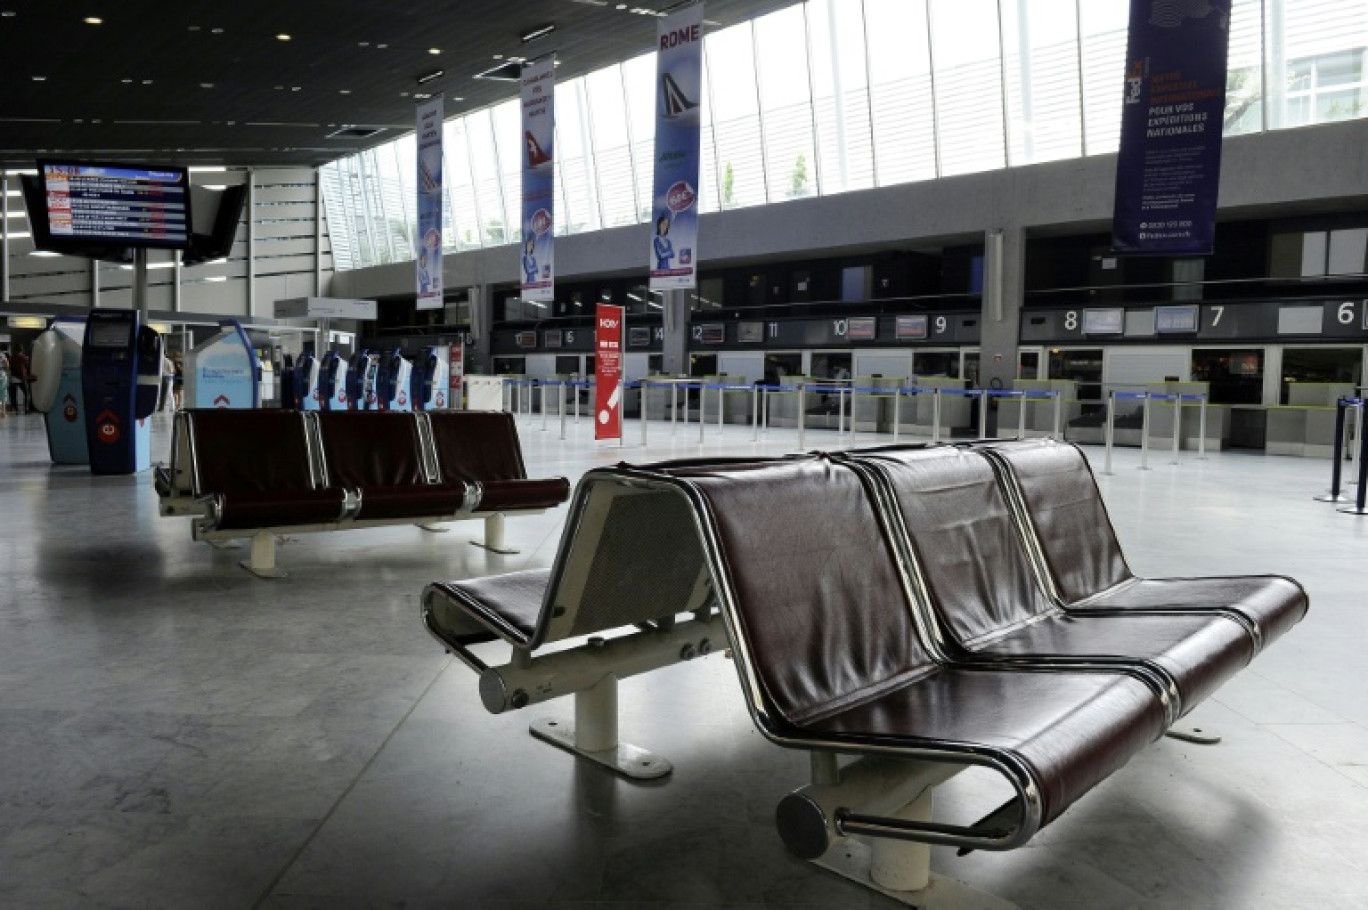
{"x": 208, "y": 82}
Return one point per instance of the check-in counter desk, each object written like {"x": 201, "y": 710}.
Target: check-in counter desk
{"x": 783, "y": 405}
{"x": 873, "y": 411}
{"x": 1306, "y": 424}
{"x": 1040, "y": 412}
{"x": 1161, "y": 417}
{"x": 661, "y": 395}
{"x": 916, "y": 414}
{"x": 736, "y": 403}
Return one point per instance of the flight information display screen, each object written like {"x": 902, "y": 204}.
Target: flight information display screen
{"x": 118, "y": 204}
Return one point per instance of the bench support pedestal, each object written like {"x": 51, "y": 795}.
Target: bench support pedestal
{"x": 595, "y": 734}
{"x": 262, "y": 564}
{"x": 1201, "y": 736}
{"x": 494, "y": 536}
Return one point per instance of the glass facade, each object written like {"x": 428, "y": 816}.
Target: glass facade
{"x": 835, "y": 95}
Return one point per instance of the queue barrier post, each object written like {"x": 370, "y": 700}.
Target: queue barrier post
{"x": 802, "y": 430}
{"x": 840, "y": 414}
{"x": 702, "y": 410}
{"x": 1356, "y": 411}
{"x": 1360, "y": 506}
{"x": 1201, "y": 427}
{"x": 897, "y": 412}
{"x": 1109, "y": 430}
{"x": 755, "y": 412}
{"x": 642, "y": 389}
{"x": 674, "y": 407}
{"x": 935, "y": 415}
{"x": 1021, "y": 416}
{"x": 1337, "y": 455}
{"x": 1144, "y": 433}
{"x": 983, "y": 413}
{"x": 1058, "y": 416}
{"x": 1177, "y": 427}
{"x": 560, "y": 400}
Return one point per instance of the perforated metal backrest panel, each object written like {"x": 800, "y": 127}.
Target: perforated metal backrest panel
{"x": 636, "y": 557}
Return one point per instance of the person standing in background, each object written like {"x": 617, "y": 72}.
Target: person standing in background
{"x": 178, "y": 381}
{"x": 19, "y": 381}
{"x": 4, "y": 385}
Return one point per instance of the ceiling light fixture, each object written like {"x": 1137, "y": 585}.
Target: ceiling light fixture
{"x": 538, "y": 33}
{"x": 40, "y": 78}
{"x": 428, "y": 77}
{"x": 282, "y": 37}
{"x": 434, "y": 50}
{"x": 93, "y": 20}
{"x": 344, "y": 91}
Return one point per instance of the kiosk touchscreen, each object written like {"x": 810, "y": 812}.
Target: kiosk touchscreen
{"x": 394, "y": 385}
{"x": 121, "y": 365}
{"x": 430, "y": 381}
{"x": 57, "y": 389}
{"x": 307, "y": 382}
{"x": 332, "y": 382}
{"x": 222, "y": 372}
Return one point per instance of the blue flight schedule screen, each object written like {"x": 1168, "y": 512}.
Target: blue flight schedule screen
{"x": 117, "y": 204}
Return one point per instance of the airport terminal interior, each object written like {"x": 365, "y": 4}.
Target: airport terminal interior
{"x": 348, "y": 564}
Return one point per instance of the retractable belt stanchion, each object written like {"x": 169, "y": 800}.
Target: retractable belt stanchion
{"x": 1337, "y": 454}
{"x": 1360, "y": 506}
{"x": 544, "y": 386}
{"x": 840, "y": 415}
{"x": 983, "y": 413}
{"x": 755, "y": 412}
{"x": 935, "y": 415}
{"x": 561, "y": 402}
{"x": 1356, "y": 412}
{"x": 674, "y": 408}
{"x": 702, "y": 410}
{"x": 1144, "y": 433}
{"x": 1177, "y": 427}
{"x": 1109, "y": 430}
{"x": 802, "y": 428}
{"x": 642, "y": 388}
{"x": 1021, "y": 416}
{"x": 1201, "y": 428}
{"x": 897, "y": 413}
{"x": 1058, "y": 416}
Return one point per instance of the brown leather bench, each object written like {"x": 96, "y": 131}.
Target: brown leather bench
{"x": 258, "y": 473}
{"x": 1082, "y": 562}
{"x": 958, "y": 537}
{"x": 852, "y": 635}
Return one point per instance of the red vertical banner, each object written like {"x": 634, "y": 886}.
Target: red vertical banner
{"x": 609, "y": 329}
{"x": 456, "y": 374}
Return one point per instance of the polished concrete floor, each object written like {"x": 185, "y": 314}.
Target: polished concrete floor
{"x": 177, "y": 733}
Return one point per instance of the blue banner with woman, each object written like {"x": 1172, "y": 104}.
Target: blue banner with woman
{"x": 674, "y": 211}
{"x": 538, "y": 180}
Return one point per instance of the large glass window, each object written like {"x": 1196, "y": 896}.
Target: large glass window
{"x": 1311, "y": 370}
{"x": 827, "y": 96}
{"x": 1235, "y": 374}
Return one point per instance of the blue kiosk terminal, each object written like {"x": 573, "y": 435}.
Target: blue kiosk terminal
{"x": 224, "y": 372}
{"x": 57, "y": 392}
{"x": 121, "y": 364}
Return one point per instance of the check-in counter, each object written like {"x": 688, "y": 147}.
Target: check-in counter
{"x": 736, "y": 403}
{"x": 917, "y": 412}
{"x": 1040, "y": 412}
{"x": 1162, "y": 415}
{"x": 873, "y": 411}
{"x": 1306, "y": 424}
{"x": 783, "y": 404}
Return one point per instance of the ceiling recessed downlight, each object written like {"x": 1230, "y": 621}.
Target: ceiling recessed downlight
{"x": 282, "y": 37}
{"x": 434, "y": 50}
{"x": 93, "y": 20}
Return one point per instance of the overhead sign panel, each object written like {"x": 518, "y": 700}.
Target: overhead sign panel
{"x": 538, "y": 180}
{"x": 134, "y": 206}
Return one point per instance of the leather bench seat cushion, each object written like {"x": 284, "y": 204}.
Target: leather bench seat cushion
{"x": 1199, "y": 653}
{"x": 1072, "y": 728}
{"x": 501, "y": 495}
{"x": 419, "y": 501}
{"x": 249, "y": 451}
{"x": 241, "y": 511}
{"x": 506, "y": 606}
{"x": 1274, "y": 602}
{"x": 371, "y": 449}
{"x": 477, "y": 446}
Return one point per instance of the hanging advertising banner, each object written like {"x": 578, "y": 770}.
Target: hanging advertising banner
{"x": 674, "y": 212}
{"x": 430, "y": 204}
{"x": 1172, "y": 115}
{"x": 538, "y": 180}
{"x": 608, "y": 337}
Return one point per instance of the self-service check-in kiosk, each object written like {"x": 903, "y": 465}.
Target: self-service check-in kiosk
{"x": 430, "y": 378}
{"x": 57, "y": 389}
{"x": 289, "y": 388}
{"x": 121, "y": 365}
{"x": 332, "y": 382}
{"x": 356, "y": 377}
{"x": 223, "y": 372}
{"x": 394, "y": 385}
{"x": 307, "y": 379}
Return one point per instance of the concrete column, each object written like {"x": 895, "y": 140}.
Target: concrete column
{"x": 1004, "y": 266}
{"x": 251, "y": 243}
{"x": 480, "y": 352}
{"x": 676, "y": 347}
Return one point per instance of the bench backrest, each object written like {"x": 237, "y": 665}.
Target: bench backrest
{"x": 820, "y": 615}
{"x": 963, "y": 538}
{"x": 250, "y": 451}
{"x": 476, "y": 446}
{"x": 371, "y": 448}
{"x": 628, "y": 555}
{"x": 1066, "y": 512}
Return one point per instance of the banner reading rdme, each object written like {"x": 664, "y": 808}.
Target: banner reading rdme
{"x": 1172, "y": 113}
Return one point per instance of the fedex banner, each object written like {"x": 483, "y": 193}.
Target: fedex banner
{"x": 1172, "y": 115}
{"x": 609, "y": 331}
{"x": 674, "y": 211}
{"x": 538, "y": 180}
{"x": 430, "y": 204}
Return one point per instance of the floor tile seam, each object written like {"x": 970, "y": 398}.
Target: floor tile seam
{"x": 1333, "y": 766}
{"x": 356, "y": 779}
